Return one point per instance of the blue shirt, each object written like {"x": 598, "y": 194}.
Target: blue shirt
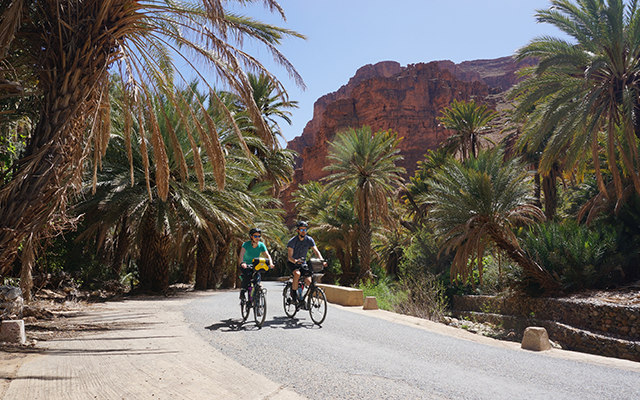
{"x": 301, "y": 247}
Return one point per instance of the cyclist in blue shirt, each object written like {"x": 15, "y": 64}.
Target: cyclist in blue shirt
{"x": 297, "y": 250}
{"x": 253, "y": 248}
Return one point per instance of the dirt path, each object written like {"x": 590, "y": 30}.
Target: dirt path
{"x": 147, "y": 352}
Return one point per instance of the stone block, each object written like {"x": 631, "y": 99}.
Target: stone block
{"x": 12, "y": 330}
{"x": 343, "y": 295}
{"x": 370, "y": 303}
{"x": 535, "y": 338}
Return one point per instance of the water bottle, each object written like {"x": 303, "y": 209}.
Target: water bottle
{"x": 300, "y": 291}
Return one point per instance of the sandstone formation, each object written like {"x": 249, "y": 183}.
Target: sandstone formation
{"x": 407, "y": 100}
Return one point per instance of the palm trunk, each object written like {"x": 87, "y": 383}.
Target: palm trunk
{"x": 537, "y": 191}
{"x": 203, "y": 264}
{"x": 530, "y": 267}
{"x": 153, "y": 263}
{"x": 189, "y": 265}
{"x": 26, "y": 277}
{"x": 50, "y": 169}
{"x": 121, "y": 248}
{"x": 72, "y": 77}
{"x": 365, "y": 245}
{"x": 217, "y": 266}
{"x": 550, "y": 191}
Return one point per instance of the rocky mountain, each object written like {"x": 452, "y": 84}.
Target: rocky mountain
{"x": 408, "y": 100}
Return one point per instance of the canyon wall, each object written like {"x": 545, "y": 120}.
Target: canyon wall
{"x": 407, "y": 100}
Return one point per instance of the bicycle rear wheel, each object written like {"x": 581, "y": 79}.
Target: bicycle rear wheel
{"x": 317, "y": 305}
{"x": 259, "y": 306}
{"x": 287, "y": 301}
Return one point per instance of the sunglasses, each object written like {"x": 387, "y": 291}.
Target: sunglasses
{"x": 257, "y": 236}
{"x": 303, "y": 230}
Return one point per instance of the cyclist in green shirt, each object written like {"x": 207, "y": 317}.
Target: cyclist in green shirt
{"x": 253, "y": 248}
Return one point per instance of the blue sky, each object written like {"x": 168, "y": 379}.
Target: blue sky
{"x": 344, "y": 35}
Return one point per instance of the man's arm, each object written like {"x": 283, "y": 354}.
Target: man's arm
{"x": 290, "y": 255}
{"x": 315, "y": 250}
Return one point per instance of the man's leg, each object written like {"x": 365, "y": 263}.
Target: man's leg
{"x": 294, "y": 286}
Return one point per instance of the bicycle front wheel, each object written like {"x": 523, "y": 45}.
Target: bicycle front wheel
{"x": 245, "y": 307}
{"x": 260, "y": 306}
{"x": 287, "y": 301}
{"x": 317, "y": 305}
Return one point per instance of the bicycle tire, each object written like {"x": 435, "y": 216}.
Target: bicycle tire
{"x": 259, "y": 306}
{"x": 245, "y": 308}
{"x": 317, "y": 303}
{"x": 287, "y": 301}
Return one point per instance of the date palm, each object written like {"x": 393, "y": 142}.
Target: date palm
{"x": 586, "y": 92}
{"x": 334, "y": 227}
{"x": 71, "y": 47}
{"x": 365, "y": 163}
{"x": 479, "y": 202}
{"x": 470, "y": 121}
{"x": 418, "y": 188}
{"x": 271, "y": 103}
{"x": 196, "y": 211}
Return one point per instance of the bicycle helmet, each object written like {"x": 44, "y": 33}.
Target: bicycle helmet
{"x": 254, "y": 230}
{"x": 302, "y": 223}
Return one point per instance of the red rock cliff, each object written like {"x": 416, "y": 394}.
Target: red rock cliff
{"x": 408, "y": 100}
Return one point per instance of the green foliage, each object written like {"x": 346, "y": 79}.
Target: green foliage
{"x": 81, "y": 261}
{"x": 581, "y": 87}
{"x": 578, "y": 255}
{"x": 422, "y": 255}
{"x": 385, "y": 292}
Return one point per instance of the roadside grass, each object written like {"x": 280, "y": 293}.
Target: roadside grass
{"x": 420, "y": 296}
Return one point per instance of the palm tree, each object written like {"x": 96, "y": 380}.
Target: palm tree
{"x": 270, "y": 102}
{"x": 278, "y": 163}
{"x": 583, "y": 91}
{"x": 147, "y": 227}
{"x": 470, "y": 121}
{"x": 481, "y": 201}
{"x": 365, "y": 162}
{"x": 418, "y": 187}
{"x": 71, "y": 48}
{"x": 336, "y": 228}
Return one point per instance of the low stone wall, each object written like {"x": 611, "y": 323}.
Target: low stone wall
{"x": 343, "y": 295}
{"x": 603, "y": 329}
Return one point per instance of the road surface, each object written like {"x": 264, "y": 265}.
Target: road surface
{"x": 354, "y": 355}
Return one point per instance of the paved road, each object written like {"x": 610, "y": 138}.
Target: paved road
{"x": 355, "y": 355}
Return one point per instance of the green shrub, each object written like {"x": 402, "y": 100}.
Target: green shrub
{"x": 422, "y": 255}
{"x": 384, "y": 291}
{"x": 580, "y": 257}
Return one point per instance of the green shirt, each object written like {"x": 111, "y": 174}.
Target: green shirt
{"x": 250, "y": 252}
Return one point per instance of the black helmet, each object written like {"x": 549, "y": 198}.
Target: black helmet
{"x": 254, "y": 230}
{"x": 302, "y": 223}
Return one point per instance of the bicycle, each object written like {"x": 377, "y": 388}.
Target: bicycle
{"x": 313, "y": 300}
{"x": 256, "y": 294}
